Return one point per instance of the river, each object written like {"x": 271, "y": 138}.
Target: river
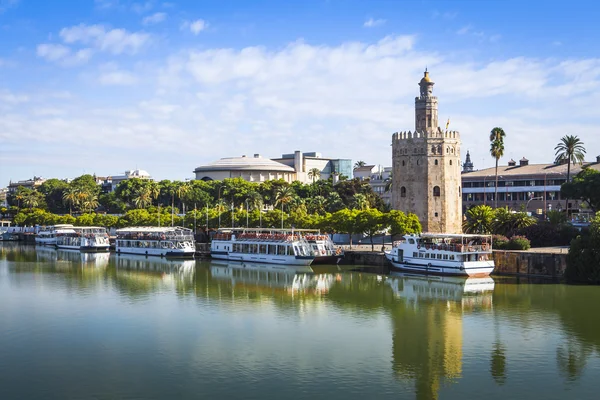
{"x": 100, "y": 326}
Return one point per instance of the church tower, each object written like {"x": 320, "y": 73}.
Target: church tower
{"x": 426, "y": 168}
{"x": 468, "y": 165}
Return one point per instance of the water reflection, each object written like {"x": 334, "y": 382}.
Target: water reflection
{"x": 427, "y": 337}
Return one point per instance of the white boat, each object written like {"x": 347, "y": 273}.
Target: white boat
{"x": 83, "y": 238}
{"x": 444, "y": 254}
{"x": 271, "y": 246}
{"x": 323, "y": 248}
{"x": 47, "y": 235}
{"x": 156, "y": 241}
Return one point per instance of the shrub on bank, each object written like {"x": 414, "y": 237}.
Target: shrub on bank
{"x": 545, "y": 234}
{"x": 499, "y": 242}
{"x": 518, "y": 243}
{"x": 583, "y": 260}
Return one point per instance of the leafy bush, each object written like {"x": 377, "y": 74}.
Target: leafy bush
{"x": 583, "y": 260}
{"x": 545, "y": 234}
{"x": 499, "y": 242}
{"x": 518, "y": 243}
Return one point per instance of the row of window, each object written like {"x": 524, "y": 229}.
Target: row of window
{"x": 430, "y": 255}
{"x": 272, "y": 249}
{"x": 436, "y": 191}
{"x": 503, "y": 196}
{"x": 491, "y": 183}
{"x": 143, "y": 244}
{"x": 436, "y": 162}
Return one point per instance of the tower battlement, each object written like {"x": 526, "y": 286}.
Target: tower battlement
{"x": 439, "y": 134}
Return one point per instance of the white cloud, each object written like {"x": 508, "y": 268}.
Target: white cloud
{"x": 370, "y": 23}
{"x": 311, "y": 97}
{"x": 195, "y": 27}
{"x": 9, "y": 98}
{"x": 115, "y": 41}
{"x": 154, "y": 18}
{"x": 63, "y": 54}
{"x": 464, "y": 30}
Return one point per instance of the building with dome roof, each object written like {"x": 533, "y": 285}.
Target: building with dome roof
{"x": 251, "y": 169}
{"x": 111, "y": 182}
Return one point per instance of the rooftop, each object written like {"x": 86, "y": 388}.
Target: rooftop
{"x": 256, "y": 163}
{"x": 530, "y": 170}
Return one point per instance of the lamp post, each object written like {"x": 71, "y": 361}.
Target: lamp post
{"x": 232, "y": 216}
{"x": 219, "y": 205}
{"x": 247, "y": 213}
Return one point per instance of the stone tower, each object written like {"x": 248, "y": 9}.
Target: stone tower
{"x": 426, "y": 168}
{"x": 468, "y": 164}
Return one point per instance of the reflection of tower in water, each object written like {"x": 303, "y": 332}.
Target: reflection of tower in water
{"x": 427, "y": 338}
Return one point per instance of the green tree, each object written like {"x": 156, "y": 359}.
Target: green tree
{"x": 143, "y": 197}
{"x": 86, "y": 183}
{"x": 369, "y": 222}
{"x": 360, "y": 202}
{"x": 314, "y": 174}
{"x": 53, "y": 190}
{"x": 570, "y": 150}
{"x": 344, "y": 221}
{"x": 586, "y": 187}
{"x": 507, "y": 223}
{"x": 497, "y": 136}
{"x": 583, "y": 260}
{"x": 479, "y": 220}
{"x": 285, "y": 195}
{"x": 71, "y": 198}
{"x": 402, "y": 224}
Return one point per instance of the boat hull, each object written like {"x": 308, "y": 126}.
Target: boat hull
{"x": 170, "y": 253}
{"x": 333, "y": 259}
{"x": 262, "y": 258}
{"x": 471, "y": 268}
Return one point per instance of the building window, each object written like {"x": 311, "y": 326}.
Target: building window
{"x": 436, "y": 162}
{"x": 402, "y": 191}
{"x": 436, "y": 214}
{"x": 436, "y": 191}
{"x": 450, "y": 162}
{"x": 403, "y": 163}
{"x": 417, "y": 162}
{"x": 459, "y": 190}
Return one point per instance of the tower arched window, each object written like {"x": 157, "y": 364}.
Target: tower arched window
{"x": 436, "y": 191}
{"x": 403, "y": 163}
{"x": 415, "y": 150}
{"x": 402, "y": 191}
{"x": 417, "y": 162}
{"x": 447, "y": 150}
{"x": 436, "y": 162}
{"x": 450, "y": 162}
{"x": 433, "y": 149}
{"x": 439, "y": 148}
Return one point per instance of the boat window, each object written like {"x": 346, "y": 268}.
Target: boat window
{"x": 452, "y": 257}
{"x": 439, "y": 256}
{"x": 445, "y": 256}
{"x": 272, "y": 249}
{"x": 411, "y": 241}
{"x": 415, "y": 254}
{"x": 263, "y": 249}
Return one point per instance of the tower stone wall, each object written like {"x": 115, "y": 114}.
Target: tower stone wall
{"x": 426, "y": 168}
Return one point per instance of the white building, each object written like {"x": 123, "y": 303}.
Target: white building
{"x": 251, "y": 169}
{"x": 379, "y": 178}
{"x": 111, "y": 182}
{"x": 304, "y": 163}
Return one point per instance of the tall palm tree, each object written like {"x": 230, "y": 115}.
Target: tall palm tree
{"x": 143, "y": 198}
{"x": 314, "y": 173}
{"x": 359, "y": 164}
{"x": 70, "y": 197}
{"x": 497, "y": 136}
{"x": 90, "y": 203}
{"x": 284, "y": 195}
{"x": 31, "y": 200}
{"x": 154, "y": 190}
{"x": 570, "y": 149}
{"x": 360, "y": 201}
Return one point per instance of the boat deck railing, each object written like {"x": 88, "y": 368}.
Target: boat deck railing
{"x": 454, "y": 247}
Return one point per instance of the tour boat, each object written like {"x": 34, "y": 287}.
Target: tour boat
{"x": 444, "y": 254}
{"x": 323, "y": 248}
{"x": 47, "y": 235}
{"x": 83, "y": 238}
{"x": 156, "y": 241}
{"x": 271, "y": 246}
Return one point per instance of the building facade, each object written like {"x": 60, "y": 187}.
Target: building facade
{"x": 426, "y": 167}
{"x": 304, "y": 163}
{"x": 533, "y": 187}
{"x": 27, "y": 184}
{"x": 110, "y": 183}
{"x": 379, "y": 178}
{"x": 251, "y": 169}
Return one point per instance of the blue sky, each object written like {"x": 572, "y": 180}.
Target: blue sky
{"x": 108, "y": 85}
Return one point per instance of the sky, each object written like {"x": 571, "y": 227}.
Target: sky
{"x": 104, "y": 86}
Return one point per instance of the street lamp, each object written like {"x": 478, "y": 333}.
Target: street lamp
{"x": 219, "y": 205}
{"x": 247, "y": 214}
{"x": 533, "y": 198}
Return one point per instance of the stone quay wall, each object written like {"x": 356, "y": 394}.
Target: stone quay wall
{"x": 547, "y": 263}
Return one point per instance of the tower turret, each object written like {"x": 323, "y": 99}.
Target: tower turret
{"x": 426, "y": 107}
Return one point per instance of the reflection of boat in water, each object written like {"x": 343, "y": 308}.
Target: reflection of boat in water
{"x": 131, "y": 262}
{"x": 468, "y": 291}
{"x": 48, "y": 254}
{"x": 296, "y": 278}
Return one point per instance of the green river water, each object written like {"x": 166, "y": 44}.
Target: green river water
{"x": 101, "y": 326}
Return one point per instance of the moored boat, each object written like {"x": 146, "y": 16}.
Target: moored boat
{"x": 271, "y": 246}
{"x": 323, "y": 248}
{"x": 83, "y": 238}
{"x": 156, "y": 241}
{"x": 444, "y": 254}
{"x": 47, "y": 235}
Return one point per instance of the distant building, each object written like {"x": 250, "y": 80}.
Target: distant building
{"x": 379, "y": 178}
{"x": 468, "y": 164}
{"x": 251, "y": 169}
{"x": 426, "y": 167}
{"x": 304, "y": 163}
{"x": 28, "y": 184}
{"x": 110, "y": 183}
{"x": 290, "y": 167}
{"x": 3, "y": 193}
{"x": 535, "y": 187}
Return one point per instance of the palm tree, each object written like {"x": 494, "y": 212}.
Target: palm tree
{"x": 70, "y": 197}
{"x": 359, "y": 164}
{"x": 143, "y": 198}
{"x": 360, "y": 201}
{"x": 31, "y": 200}
{"x": 314, "y": 173}
{"x": 154, "y": 190}
{"x": 284, "y": 195}
{"x": 497, "y": 136}
{"x": 479, "y": 220}
{"x": 91, "y": 202}
{"x": 570, "y": 149}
